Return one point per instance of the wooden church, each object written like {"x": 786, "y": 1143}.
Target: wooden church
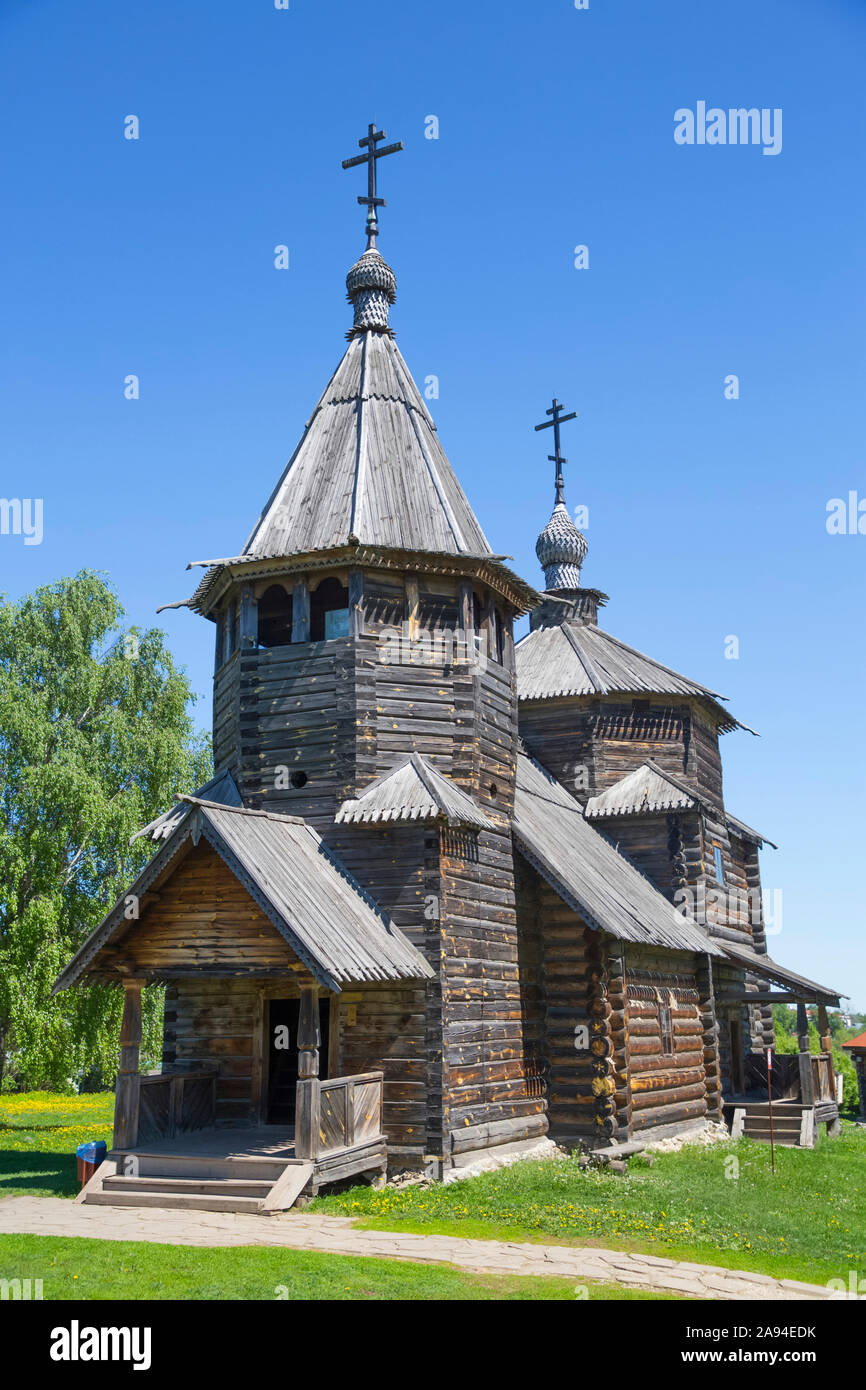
{"x": 445, "y": 894}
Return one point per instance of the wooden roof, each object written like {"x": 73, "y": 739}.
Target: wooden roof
{"x": 587, "y": 871}
{"x": 573, "y": 658}
{"x": 413, "y": 791}
{"x": 769, "y": 969}
{"x": 646, "y": 790}
{"x": 369, "y": 465}
{"x": 336, "y": 929}
{"x": 221, "y": 789}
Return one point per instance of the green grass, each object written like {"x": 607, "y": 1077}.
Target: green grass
{"x": 808, "y": 1221}
{"x": 39, "y": 1133}
{"x": 71, "y": 1268}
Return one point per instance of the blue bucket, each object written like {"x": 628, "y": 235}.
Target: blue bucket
{"x": 92, "y": 1153}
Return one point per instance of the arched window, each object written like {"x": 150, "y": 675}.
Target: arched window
{"x": 275, "y": 617}
{"x": 329, "y": 611}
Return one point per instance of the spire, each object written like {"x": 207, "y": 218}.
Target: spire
{"x": 371, "y": 283}
{"x": 561, "y": 548}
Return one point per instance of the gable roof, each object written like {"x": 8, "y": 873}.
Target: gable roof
{"x": 587, "y": 871}
{"x": 320, "y": 910}
{"x": 221, "y": 789}
{"x": 369, "y": 466}
{"x": 413, "y": 791}
{"x": 580, "y": 659}
{"x": 859, "y": 1042}
{"x": 648, "y": 789}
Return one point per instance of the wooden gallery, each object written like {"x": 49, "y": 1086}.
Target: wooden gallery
{"x": 445, "y": 894}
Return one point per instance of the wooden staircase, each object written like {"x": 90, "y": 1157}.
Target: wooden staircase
{"x": 793, "y": 1123}
{"x": 259, "y": 1186}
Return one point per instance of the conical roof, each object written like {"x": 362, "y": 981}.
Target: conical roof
{"x": 369, "y": 467}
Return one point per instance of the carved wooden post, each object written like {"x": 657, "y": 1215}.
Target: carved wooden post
{"x": 806, "y": 1093}
{"x": 413, "y": 602}
{"x": 301, "y": 611}
{"x": 356, "y": 603}
{"x": 307, "y": 1103}
{"x": 249, "y": 619}
{"x": 126, "y": 1095}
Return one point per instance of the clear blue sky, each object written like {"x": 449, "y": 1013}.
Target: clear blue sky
{"x": 707, "y": 516}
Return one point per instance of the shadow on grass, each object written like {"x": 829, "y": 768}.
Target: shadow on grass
{"x": 49, "y": 1174}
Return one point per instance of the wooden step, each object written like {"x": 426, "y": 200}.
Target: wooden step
{"x": 180, "y": 1201}
{"x": 251, "y": 1168}
{"x": 215, "y": 1187}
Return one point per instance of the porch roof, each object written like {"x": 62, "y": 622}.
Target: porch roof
{"x": 779, "y": 974}
{"x": 334, "y": 927}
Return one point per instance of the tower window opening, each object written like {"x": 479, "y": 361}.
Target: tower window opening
{"x": 275, "y": 617}
{"x": 329, "y": 611}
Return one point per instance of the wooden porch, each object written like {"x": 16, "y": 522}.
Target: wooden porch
{"x": 169, "y": 1151}
{"x": 804, "y": 1089}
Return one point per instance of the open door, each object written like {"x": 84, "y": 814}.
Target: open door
{"x": 282, "y": 1038}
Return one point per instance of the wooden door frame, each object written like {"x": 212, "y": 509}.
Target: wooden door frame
{"x": 285, "y": 989}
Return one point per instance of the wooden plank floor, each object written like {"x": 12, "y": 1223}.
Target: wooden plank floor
{"x": 260, "y": 1141}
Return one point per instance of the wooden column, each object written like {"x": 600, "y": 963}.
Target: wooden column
{"x": 490, "y": 627}
{"x": 248, "y": 631}
{"x": 824, "y": 1029}
{"x": 127, "y": 1089}
{"x": 412, "y": 605}
{"x": 301, "y": 611}
{"x": 356, "y": 603}
{"x": 307, "y": 1103}
{"x": 806, "y": 1097}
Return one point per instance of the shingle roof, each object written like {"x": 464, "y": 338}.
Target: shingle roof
{"x": 321, "y": 911}
{"x": 588, "y": 873}
{"x": 641, "y": 792}
{"x": 580, "y": 659}
{"x": 762, "y": 965}
{"x": 221, "y": 789}
{"x": 369, "y": 465}
{"x": 413, "y": 791}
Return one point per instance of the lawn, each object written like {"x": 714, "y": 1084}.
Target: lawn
{"x": 718, "y": 1205}
{"x": 72, "y": 1268}
{"x": 39, "y": 1133}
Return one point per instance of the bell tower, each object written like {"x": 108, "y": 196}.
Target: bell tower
{"x": 365, "y": 681}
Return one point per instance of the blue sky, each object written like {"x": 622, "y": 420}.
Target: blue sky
{"x": 707, "y": 516}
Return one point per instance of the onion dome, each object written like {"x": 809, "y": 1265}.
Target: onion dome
{"x": 561, "y": 550}
{"x": 372, "y": 289}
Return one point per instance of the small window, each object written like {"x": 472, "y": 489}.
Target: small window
{"x": 720, "y": 868}
{"x": 666, "y": 1025}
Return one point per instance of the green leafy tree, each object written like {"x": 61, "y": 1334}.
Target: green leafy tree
{"x": 95, "y": 740}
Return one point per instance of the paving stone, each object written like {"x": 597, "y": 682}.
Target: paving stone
{"x": 337, "y": 1235}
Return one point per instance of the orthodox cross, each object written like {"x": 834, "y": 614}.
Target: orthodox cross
{"x": 558, "y": 419}
{"x": 371, "y": 202}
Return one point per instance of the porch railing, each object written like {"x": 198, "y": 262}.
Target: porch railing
{"x": 167, "y": 1104}
{"x": 344, "y": 1112}
{"x": 823, "y": 1079}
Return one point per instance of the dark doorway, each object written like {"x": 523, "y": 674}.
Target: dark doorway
{"x": 283, "y": 1056}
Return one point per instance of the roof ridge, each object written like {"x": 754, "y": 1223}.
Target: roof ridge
{"x": 586, "y": 661}
{"x": 243, "y": 810}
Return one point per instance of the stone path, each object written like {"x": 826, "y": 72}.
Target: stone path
{"x": 336, "y": 1235}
